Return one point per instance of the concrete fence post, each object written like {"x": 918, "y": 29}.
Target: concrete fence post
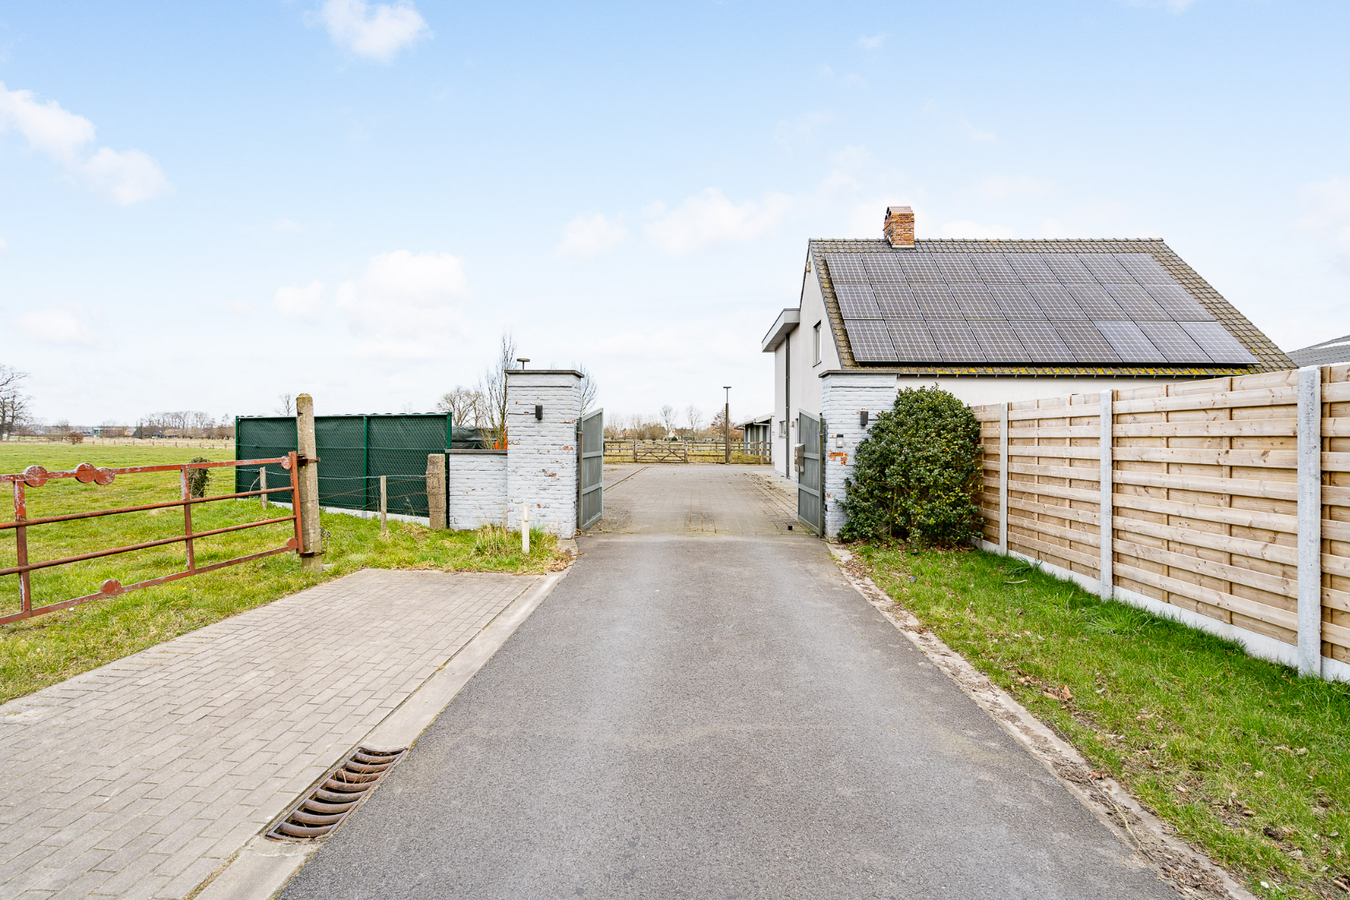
{"x": 262, "y": 478}
{"x": 311, "y": 535}
{"x": 1310, "y": 521}
{"x": 436, "y": 493}
{"x": 1106, "y": 504}
{"x": 1003, "y": 479}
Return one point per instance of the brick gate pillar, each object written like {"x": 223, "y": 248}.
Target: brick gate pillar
{"x": 543, "y": 407}
{"x": 844, "y": 397}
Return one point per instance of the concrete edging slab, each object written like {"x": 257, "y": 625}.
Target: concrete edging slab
{"x": 1176, "y": 862}
{"x": 263, "y": 867}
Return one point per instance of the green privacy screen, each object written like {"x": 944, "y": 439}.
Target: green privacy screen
{"x": 354, "y": 451}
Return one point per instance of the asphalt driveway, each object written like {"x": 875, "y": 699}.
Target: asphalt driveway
{"x": 707, "y": 715}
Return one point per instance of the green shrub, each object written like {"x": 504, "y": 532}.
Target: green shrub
{"x": 915, "y": 475}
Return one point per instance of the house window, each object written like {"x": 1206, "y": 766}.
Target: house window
{"x": 816, "y": 342}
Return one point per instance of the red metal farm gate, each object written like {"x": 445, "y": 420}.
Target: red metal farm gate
{"x": 36, "y": 477}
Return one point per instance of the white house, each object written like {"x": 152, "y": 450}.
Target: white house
{"x": 993, "y": 320}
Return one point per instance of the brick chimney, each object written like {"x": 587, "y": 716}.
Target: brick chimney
{"x": 899, "y": 228}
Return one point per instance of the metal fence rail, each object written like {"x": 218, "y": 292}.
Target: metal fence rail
{"x": 37, "y": 476}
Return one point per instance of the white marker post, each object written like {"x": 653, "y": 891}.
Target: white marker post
{"x": 525, "y": 528}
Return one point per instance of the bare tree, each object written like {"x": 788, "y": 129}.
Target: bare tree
{"x": 693, "y": 418}
{"x": 14, "y": 402}
{"x": 465, "y": 406}
{"x": 669, "y": 420}
{"x": 588, "y": 388}
{"x": 493, "y": 389}
{"x": 286, "y": 405}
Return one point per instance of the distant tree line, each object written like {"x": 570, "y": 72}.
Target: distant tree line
{"x": 669, "y": 424}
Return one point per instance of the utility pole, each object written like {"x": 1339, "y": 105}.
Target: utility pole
{"x": 726, "y": 427}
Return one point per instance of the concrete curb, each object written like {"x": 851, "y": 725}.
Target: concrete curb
{"x": 263, "y": 867}
{"x": 1188, "y": 870}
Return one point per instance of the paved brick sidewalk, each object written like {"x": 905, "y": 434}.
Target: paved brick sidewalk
{"x": 141, "y": 778}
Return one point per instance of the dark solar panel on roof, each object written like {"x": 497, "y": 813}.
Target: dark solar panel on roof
{"x": 845, "y": 267}
{"x": 993, "y": 268}
{"x": 920, "y": 268}
{"x": 1143, "y": 268}
{"x": 1015, "y": 302}
{"x": 1179, "y": 303}
{"x": 1086, "y": 342}
{"x": 1067, "y": 268}
{"x": 998, "y": 341}
{"x": 1174, "y": 343}
{"x": 913, "y": 342}
{"x": 1136, "y": 302}
{"x": 956, "y": 267}
{"x": 1056, "y": 302}
{"x": 1030, "y": 268}
{"x": 954, "y": 341}
{"x": 935, "y": 301}
{"x": 870, "y": 340}
{"x": 856, "y": 301}
{"x": 975, "y": 301}
{"x": 896, "y": 302}
{"x": 1130, "y": 344}
{"x": 1103, "y": 267}
{"x": 1095, "y": 302}
{"x": 883, "y": 269}
{"x": 1042, "y": 342}
{"x": 1219, "y": 345}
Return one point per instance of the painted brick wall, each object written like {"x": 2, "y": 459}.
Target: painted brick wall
{"x": 542, "y": 455}
{"x": 843, "y": 397}
{"x": 476, "y": 484}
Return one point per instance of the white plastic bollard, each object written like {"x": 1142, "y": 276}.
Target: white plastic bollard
{"x": 525, "y": 528}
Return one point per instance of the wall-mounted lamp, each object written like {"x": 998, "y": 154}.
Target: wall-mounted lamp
{"x": 539, "y": 412}
{"x": 839, "y": 442}
{"x": 862, "y": 419}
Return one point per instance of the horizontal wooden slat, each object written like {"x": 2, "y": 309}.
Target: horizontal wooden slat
{"x": 1273, "y": 584}
{"x": 1276, "y": 553}
{"x": 1336, "y": 634}
{"x": 1284, "y": 427}
{"x": 1336, "y": 462}
{"x": 1025, "y": 450}
{"x": 1057, "y": 431}
{"x": 1273, "y": 490}
{"x": 1086, "y": 516}
{"x": 1275, "y": 459}
{"x": 1052, "y": 412}
{"x": 1338, "y": 427}
{"x": 1335, "y": 531}
{"x": 1272, "y": 615}
{"x": 1336, "y": 392}
{"x": 1248, "y": 518}
{"x": 1054, "y": 490}
{"x": 1021, "y": 543}
{"x": 1336, "y": 565}
{"x": 1337, "y": 600}
{"x": 1073, "y": 473}
{"x": 1220, "y": 400}
{"x": 1089, "y": 536}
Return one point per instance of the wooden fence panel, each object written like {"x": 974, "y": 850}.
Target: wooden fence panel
{"x": 1204, "y": 497}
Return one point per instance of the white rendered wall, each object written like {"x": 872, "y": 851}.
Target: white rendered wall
{"x": 843, "y": 398}
{"x": 804, "y": 392}
{"x": 542, "y": 454}
{"x": 476, "y": 488}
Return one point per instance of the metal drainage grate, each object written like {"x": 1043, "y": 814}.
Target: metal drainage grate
{"x": 342, "y": 790}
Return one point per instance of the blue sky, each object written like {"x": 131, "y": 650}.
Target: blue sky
{"x": 203, "y": 206}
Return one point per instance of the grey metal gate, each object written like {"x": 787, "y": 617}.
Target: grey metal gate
{"x": 811, "y": 472}
{"x": 590, "y": 468}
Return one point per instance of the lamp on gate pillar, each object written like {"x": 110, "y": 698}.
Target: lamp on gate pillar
{"x": 726, "y": 427}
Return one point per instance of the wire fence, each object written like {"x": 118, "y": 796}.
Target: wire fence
{"x": 405, "y": 495}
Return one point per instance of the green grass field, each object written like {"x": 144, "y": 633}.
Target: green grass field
{"x": 1242, "y": 756}
{"x": 49, "y": 648}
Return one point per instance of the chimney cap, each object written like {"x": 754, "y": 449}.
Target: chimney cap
{"x": 890, "y": 210}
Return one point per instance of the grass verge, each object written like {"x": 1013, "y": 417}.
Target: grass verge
{"x": 50, "y": 648}
{"x": 1243, "y": 757}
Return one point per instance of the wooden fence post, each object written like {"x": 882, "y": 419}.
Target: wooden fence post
{"x": 1003, "y": 480}
{"x": 262, "y": 478}
{"x": 1106, "y": 505}
{"x": 1310, "y": 521}
{"x": 436, "y": 475}
{"x": 311, "y": 536}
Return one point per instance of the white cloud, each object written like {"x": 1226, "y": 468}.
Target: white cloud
{"x": 286, "y": 226}
{"x": 4, "y": 245}
{"x": 871, "y": 42}
{"x": 977, "y": 134}
{"x": 1003, "y": 187}
{"x": 964, "y": 228}
{"x": 709, "y": 217}
{"x": 848, "y": 79}
{"x": 126, "y": 177}
{"x": 406, "y": 305}
{"x": 299, "y": 301}
{"x": 377, "y": 33}
{"x": 56, "y": 326}
{"x": 789, "y": 132}
{"x": 1175, "y": 7}
{"x": 587, "y": 235}
{"x": 1328, "y": 213}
